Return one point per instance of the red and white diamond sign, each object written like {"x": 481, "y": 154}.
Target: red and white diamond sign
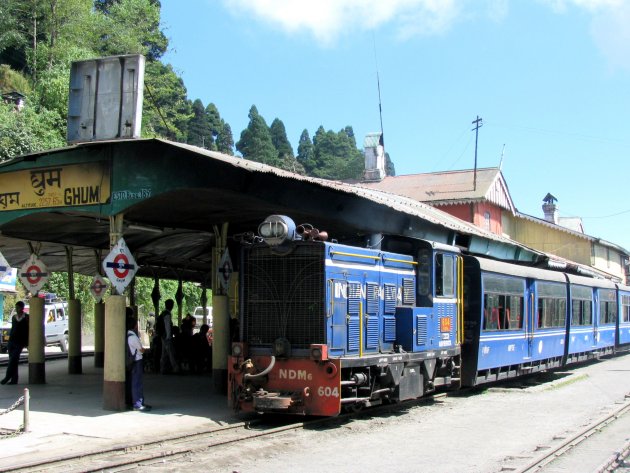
{"x": 4, "y": 266}
{"x": 98, "y": 287}
{"x": 120, "y": 266}
{"x": 33, "y": 274}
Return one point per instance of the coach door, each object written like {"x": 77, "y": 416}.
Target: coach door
{"x": 597, "y": 316}
{"x": 530, "y": 317}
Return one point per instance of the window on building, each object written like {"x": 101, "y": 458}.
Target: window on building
{"x": 552, "y": 305}
{"x": 581, "y": 305}
{"x": 486, "y": 220}
{"x": 503, "y": 303}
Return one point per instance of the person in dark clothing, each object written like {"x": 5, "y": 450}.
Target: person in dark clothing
{"x": 201, "y": 351}
{"x": 18, "y": 339}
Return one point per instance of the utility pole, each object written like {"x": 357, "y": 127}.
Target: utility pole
{"x": 478, "y": 124}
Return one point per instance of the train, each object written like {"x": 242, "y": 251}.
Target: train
{"x": 327, "y": 327}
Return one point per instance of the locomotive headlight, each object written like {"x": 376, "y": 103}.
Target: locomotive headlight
{"x": 319, "y": 352}
{"x": 277, "y": 229}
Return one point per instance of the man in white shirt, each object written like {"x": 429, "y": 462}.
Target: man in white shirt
{"x": 137, "y": 369}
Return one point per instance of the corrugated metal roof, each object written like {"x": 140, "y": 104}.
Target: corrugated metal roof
{"x": 394, "y": 201}
{"x": 452, "y": 187}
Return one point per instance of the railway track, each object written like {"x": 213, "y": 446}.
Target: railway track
{"x": 539, "y": 462}
{"x": 164, "y": 450}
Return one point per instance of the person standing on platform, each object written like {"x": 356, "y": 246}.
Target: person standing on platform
{"x": 18, "y": 339}
{"x": 165, "y": 328}
{"x": 137, "y": 369}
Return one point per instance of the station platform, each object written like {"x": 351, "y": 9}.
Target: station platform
{"x": 67, "y": 415}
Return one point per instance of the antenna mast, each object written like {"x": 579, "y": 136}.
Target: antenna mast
{"x": 378, "y": 85}
{"x": 478, "y": 124}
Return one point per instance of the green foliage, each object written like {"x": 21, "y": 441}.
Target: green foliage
{"x": 221, "y": 131}
{"x": 225, "y": 141}
{"x": 167, "y": 111}
{"x": 199, "y": 127}
{"x": 335, "y": 155}
{"x": 255, "y": 143}
{"x": 131, "y": 27}
{"x": 280, "y": 140}
{"x": 390, "y": 169}
{"x": 168, "y": 289}
{"x": 28, "y": 131}
{"x": 13, "y": 81}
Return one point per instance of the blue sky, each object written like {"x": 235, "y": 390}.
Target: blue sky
{"x": 549, "y": 78}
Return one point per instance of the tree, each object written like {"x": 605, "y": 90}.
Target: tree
{"x": 13, "y": 33}
{"x": 306, "y": 156}
{"x": 199, "y": 127}
{"x": 28, "y": 131}
{"x": 255, "y": 143}
{"x": 336, "y": 155}
{"x": 221, "y": 131}
{"x": 166, "y": 111}
{"x": 131, "y": 27}
{"x": 225, "y": 141}
{"x": 280, "y": 140}
{"x": 390, "y": 169}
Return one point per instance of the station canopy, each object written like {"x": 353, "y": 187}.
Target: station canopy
{"x": 175, "y": 199}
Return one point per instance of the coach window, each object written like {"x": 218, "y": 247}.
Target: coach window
{"x": 444, "y": 275}
{"x": 502, "y": 303}
{"x": 581, "y": 305}
{"x": 625, "y": 308}
{"x": 552, "y": 305}
{"x": 607, "y": 306}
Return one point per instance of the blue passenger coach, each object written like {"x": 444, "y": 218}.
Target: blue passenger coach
{"x": 623, "y": 320}
{"x": 515, "y": 320}
{"x": 592, "y": 317}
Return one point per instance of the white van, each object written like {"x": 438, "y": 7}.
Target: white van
{"x": 198, "y": 315}
{"x": 55, "y": 323}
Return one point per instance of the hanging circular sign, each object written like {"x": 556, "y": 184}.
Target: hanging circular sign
{"x": 98, "y": 287}
{"x": 120, "y": 266}
{"x": 33, "y": 274}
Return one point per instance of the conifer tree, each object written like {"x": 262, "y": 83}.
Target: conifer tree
{"x": 305, "y": 154}
{"x": 199, "y": 127}
{"x": 255, "y": 142}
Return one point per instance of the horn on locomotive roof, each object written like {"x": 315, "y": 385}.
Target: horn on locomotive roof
{"x": 308, "y": 232}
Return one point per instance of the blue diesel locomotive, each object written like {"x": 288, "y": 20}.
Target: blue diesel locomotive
{"x": 326, "y": 326}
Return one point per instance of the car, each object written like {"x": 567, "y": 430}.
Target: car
{"x": 4, "y": 336}
{"x": 198, "y": 315}
{"x": 55, "y": 320}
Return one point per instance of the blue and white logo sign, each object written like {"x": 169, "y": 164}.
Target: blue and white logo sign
{"x": 4, "y": 266}
{"x": 98, "y": 287}
{"x": 33, "y": 274}
{"x": 120, "y": 267}
{"x": 225, "y": 270}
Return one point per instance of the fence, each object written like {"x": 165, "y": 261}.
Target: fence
{"x": 23, "y": 400}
